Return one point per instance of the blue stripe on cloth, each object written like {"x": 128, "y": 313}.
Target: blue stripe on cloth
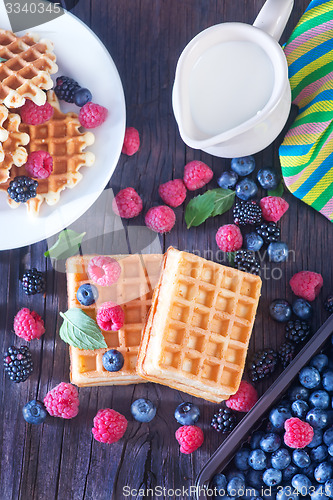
{"x": 295, "y": 150}
{"x": 316, "y": 3}
{"x": 311, "y": 55}
{"x": 315, "y": 177}
{"x": 325, "y": 95}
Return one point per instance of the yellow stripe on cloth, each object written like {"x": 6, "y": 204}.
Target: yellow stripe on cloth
{"x": 319, "y": 188}
{"x": 306, "y": 70}
{"x": 307, "y": 46}
{"x": 312, "y": 13}
{"x": 306, "y": 100}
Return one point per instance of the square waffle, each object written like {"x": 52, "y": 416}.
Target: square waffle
{"x": 133, "y": 292}
{"x": 28, "y": 64}
{"x": 61, "y": 137}
{"x": 12, "y": 150}
{"x": 199, "y": 326}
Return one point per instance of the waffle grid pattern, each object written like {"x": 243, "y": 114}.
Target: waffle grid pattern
{"x": 133, "y": 291}
{"x": 211, "y": 321}
{"x": 26, "y": 70}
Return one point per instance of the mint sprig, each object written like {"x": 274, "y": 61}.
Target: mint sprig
{"x": 276, "y": 192}
{"x": 210, "y": 204}
{"x": 80, "y": 330}
{"x": 67, "y": 245}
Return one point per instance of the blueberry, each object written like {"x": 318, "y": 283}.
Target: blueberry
{"x": 320, "y": 362}
{"x": 309, "y": 377}
{"x": 82, "y": 96}
{"x": 281, "y": 459}
{"x": 303, "y": 309}
{"x": 268, "y": 178}
{"x": 299, "y": 408}
{"x": 228, "y": 180}
{"x": 272, "y": 477}
{"x": 317, "y": 418}
{"x": 309, "y": 471}
{"x": 236, "y": 487}
{"x": 286, "y": 493}
{"x": 113, "y": 360}
{"x": 87, "y": 294}
{"x": 329, "y": 488}
{"x": 301, "y": 483}
{"x": 317, "y": 494}
{"x": 298, "y": 392}
{"x": 289, "y": 472}
{"x": 319, "y": 454}
{"x": 328, "y": 436}
{"x": 320, "y": 399}
{"x": 250, "y": 493}
{"x": 301, "y": 458}
{"x": 278, "y": 416}
{"x": 328, "y": 380}
{"x": 187, "y": 414}
{"x": 317, "y": 438}
{"x": 255, "y": 439}
{"x": 280, "y": 310}
{"x": 143, "y": 410}
{"x": 243, "y": 165}
{"x": 330, "y": 449}
{"x": 254, "y": 478}
{"x": 278, "y": 252}
{"x": 253, "y": 241}
{"x": 235, "y": 473}
{"x": 323, "y": 472}
{"x": 246, "y": 189}
{"x": 270, "y": 442}
{"x": 219, "y": 482}
{"x": 257, "y": 460}
{"x": 241, "y": 459}
{"x": 34, "y": 412}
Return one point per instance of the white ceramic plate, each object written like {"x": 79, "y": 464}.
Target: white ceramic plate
{"x": 82, "y": 56}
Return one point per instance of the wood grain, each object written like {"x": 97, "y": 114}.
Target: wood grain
{"x": 60, "y": 460}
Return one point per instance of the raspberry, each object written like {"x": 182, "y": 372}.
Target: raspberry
{"x": 306, "y": 284}
{"x": 298, "y": 433}
{"x": 104, "y": 270}
{"x": 110, "y": 316}
{"x": 190, "y": 438}
{"x": 92, "y": 115}
{"x": 196, "y": 175}
{"x": 229, "y": 238}
{"x": 160, "y": 219}
{"x": 273, "y": 208}
{"x": 244, "y": 399}
{"x": 62, "y": 401}
{"x": 35, "y": 115}
{"x": 127, "y": 203}
{"x": 28, "y": 325}
{"x": 109, "y": 426}
{"x": 131, "y": 141}
{"x": 173, "y": 193}
{"x": 39, "y": 164}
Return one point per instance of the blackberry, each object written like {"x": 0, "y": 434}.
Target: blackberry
{"x": 66, "y": 88}
{"x": 245, "y": 260}
{"x": 33, "y": 281}
{"x": 297, "y": 330}
{"x": 269, "y": 232}
{"x": 223, "y": 421}
{"x": 328, "y": 304}
{"x": 247, "y": 212}
{"x": 18, "y": 363}
{"x": 263, "y": 364}
{"x": 286, "y": 353}
{"x": 22, "y": 188}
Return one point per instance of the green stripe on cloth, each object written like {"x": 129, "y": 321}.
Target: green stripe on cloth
{"x": 322, "y": 14}
{"x": 311, "y": 78}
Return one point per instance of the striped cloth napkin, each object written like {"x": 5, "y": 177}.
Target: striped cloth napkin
{"x": 306, "y": 153}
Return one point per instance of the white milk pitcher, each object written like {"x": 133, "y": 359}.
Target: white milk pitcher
{"x": 231, "y": 96}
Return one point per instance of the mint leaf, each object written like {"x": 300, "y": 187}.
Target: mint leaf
{"x": 231, "y": 258}
{"x": 67, "y": 245}
{"x": 3, "y": 60}
{"x": 276, "y": 192}
{"x": 80, "y": 330}
{"x": 224, "y": 199}
{"x": 199, "y": 209}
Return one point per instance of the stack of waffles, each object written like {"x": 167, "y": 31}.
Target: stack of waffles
{"x": 25, "y": 69}
{"x": 196, "y": 335}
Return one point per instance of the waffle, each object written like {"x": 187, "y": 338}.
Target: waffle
{"x": 133, "y": 292}
{"x": 27, "y": 69}
{"x": 60, "y": 136}
{"x": 12, "y": 151}
{"x": 199, "y": 326}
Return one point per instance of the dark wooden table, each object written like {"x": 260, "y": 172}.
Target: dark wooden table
{"x": 60, "y": 459}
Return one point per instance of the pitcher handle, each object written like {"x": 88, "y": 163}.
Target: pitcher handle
{"x": 274, "y": 16}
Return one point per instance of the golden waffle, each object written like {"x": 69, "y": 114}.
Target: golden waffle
{"x": 27, "y": 69}
{"x": 133, "y": 292}
{"x": 199, "y": 326}
{"x": 12, "y": 151}
{"x": 61, "y": 137}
